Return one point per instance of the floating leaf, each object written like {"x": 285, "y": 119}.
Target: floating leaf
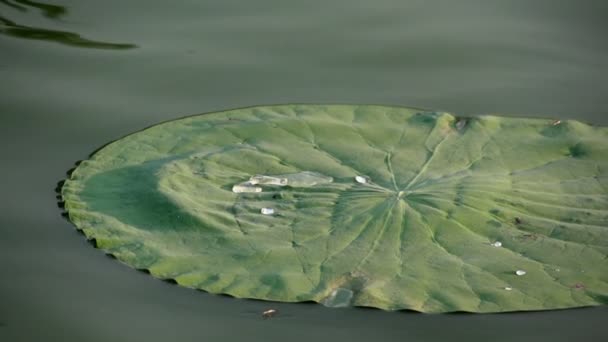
{"x": 376, "y": 206}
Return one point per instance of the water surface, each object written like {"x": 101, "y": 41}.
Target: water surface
{"x": 77, "y": 74}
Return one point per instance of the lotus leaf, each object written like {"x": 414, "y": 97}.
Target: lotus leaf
{"x": 386, "y": 207}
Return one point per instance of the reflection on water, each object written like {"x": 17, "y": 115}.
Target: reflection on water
{"x": 48, "y": 10}
{"x": 11, "y": 28}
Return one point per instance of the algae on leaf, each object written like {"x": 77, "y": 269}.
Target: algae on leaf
{"x": 387, "y": 207}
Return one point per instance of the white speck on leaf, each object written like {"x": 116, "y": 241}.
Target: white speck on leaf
{"x": 245, "y": 187}
{"x": 362, "y": 179}
{"x": 267, "y": 211}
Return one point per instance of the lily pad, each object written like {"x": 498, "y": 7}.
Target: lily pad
{"x": 386, "y": 207}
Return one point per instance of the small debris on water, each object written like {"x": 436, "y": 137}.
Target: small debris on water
{"x": 556, "y": 122}
{"x": 520, "y": 272}
{"x": 497, "y": 244}
{"x": 579, "y": 286}
{"x": 269, "y": 313}
{"x": 362, "y": 179}
{"x": 245, "y": 187}
{"x": 267, "y": 211}
{"x": 508, "y": 288}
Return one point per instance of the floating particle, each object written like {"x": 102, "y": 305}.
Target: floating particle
{"x": 556, "y": 122}
{"x": 362, "y": 179}
{"x": 269, "y": 313}
{"x": 267, "y": 211}
{"x": 520, "y": 272}
{"x": 508, "y": 288}
{"x": 497, "y": 244}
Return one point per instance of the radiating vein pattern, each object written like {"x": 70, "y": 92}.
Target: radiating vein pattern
{"x": 387, "y": 207}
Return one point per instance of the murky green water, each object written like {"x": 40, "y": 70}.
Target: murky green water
{"x": 77, "y": 74}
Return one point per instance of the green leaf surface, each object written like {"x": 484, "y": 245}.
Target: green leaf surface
{"x": 386, "y": 207}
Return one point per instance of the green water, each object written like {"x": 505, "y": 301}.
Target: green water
{"x": 77, "y": 74}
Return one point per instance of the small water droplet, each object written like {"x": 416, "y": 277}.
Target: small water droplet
{"x": 497, "y": 244}
{"x": 246, "y": 187}
{"x": 362, "y": 179}
{"x": 461, "y": 124}
{"x": 267, "y": 211}
{"x": 520, "y": 272}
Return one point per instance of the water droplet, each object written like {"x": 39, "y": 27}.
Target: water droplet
{"x": 339, "y": 298}
{"x": 268, "y": 180}
{"x": 307, "y": 179}
{"x": 362, "y": 179}
{"x": 460, "y": 124}
{"x": 267, "y": 211}
{"x": 508, "y": 288}
{"x": 301, "y": 179}
{"x": 520, "y": 272}
{"x": 497, "y": 244}
{"x": 246, "y": 187}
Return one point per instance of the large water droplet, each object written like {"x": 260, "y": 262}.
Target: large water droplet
{"x": 268, "y": 180}
{"x": 307, "y": 179}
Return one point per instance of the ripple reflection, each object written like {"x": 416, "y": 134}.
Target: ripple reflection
{"x": 13, "y": 29}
